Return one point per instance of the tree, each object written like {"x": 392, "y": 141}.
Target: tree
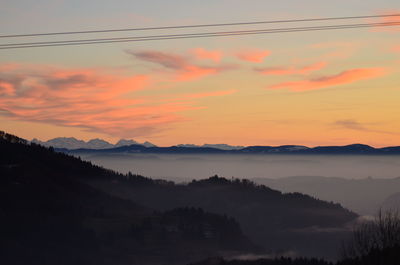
{"x": 371, "y": 236}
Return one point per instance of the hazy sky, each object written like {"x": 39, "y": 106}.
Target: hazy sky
{"x": 311, "y": 88}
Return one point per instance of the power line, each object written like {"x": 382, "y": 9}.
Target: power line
{"x": 192, "y": 35}
{"x": 197, "y": 26}
{"x": 184, "y": 35}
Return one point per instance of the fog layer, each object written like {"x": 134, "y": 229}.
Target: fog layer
{"x": 187, "y": 167}
{"x": 362, "y": 184}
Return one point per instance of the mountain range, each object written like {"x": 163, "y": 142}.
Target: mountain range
{"x": 71, "y": 143}
{"x": 354, "y": 149}
{"x": 132, "y": 146}
{"x": 96, "y": 144}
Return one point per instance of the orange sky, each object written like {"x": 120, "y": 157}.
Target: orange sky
{"x": 302, "y": 88}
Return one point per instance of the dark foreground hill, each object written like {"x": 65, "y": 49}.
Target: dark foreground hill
{"x": 48, "y": 215}
{"x": 276, "y": 221}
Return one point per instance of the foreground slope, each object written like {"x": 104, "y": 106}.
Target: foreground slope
{"x": 49, "y": 215}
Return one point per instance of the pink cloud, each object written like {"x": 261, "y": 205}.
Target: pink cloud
{"x": 6, "y": 88}
{"x": 345, "y": 77}
{"x": 292, "y": 70}
{"x": 192, "y": 72}
{"x": 388, "y": 21}
{"x": 394, "y": 19}
{"x": 203, "y": 54}
{"x": 85, "y": 98}
{"x": 254, "y": 56}
{"x": 92, "y": 99}
{"x": 182, "y": 66}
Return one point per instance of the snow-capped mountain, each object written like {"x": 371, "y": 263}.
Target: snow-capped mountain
{"x": 124, "y": 142}
{"x": 72, "y": 143}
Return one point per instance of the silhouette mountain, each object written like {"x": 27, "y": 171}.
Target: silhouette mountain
{"x": 354, "y": 149}
{"x": 50, "y": 215}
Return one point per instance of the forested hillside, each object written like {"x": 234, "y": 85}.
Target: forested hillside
{"x": 50, "y": 216}
{"x": 273, "y": 220}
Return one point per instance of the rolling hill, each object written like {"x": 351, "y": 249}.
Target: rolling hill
{"x": 50, "y": 215}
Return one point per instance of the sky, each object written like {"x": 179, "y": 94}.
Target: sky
{"x": 308, "y": 88}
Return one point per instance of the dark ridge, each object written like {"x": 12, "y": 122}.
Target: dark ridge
{"x": 353, "y": 149}
{"x": 269, "y": 217}
{"x": 347, "y": 149}
{"x": 49, "y": 214}
{"x": 391, "y": 150}
{"x": 142, "y": 149}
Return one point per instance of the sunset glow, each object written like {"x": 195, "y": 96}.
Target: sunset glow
{"x": 313, "y": 88}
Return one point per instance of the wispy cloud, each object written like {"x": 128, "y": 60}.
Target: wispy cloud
{"x": 291, "y": 70}
{"x": 168, "y": 60}
{"x": 345, "y": 77}
{"x": 91, "y": 99}
{"x": 203, "y": 54}
{"x": 182, "y": 66}
{"x": 253, "y": 55}
{"x": 351, "y": 124}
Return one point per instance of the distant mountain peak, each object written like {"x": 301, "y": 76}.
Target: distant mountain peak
{"x": 71, "y": 143}
{"x": 131, "y": 145}
{"x": 360, "y": 146}
{"x": 97, "y": 140}
{"x": 125, "y": 142}
{"x": 148, "y": 144}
